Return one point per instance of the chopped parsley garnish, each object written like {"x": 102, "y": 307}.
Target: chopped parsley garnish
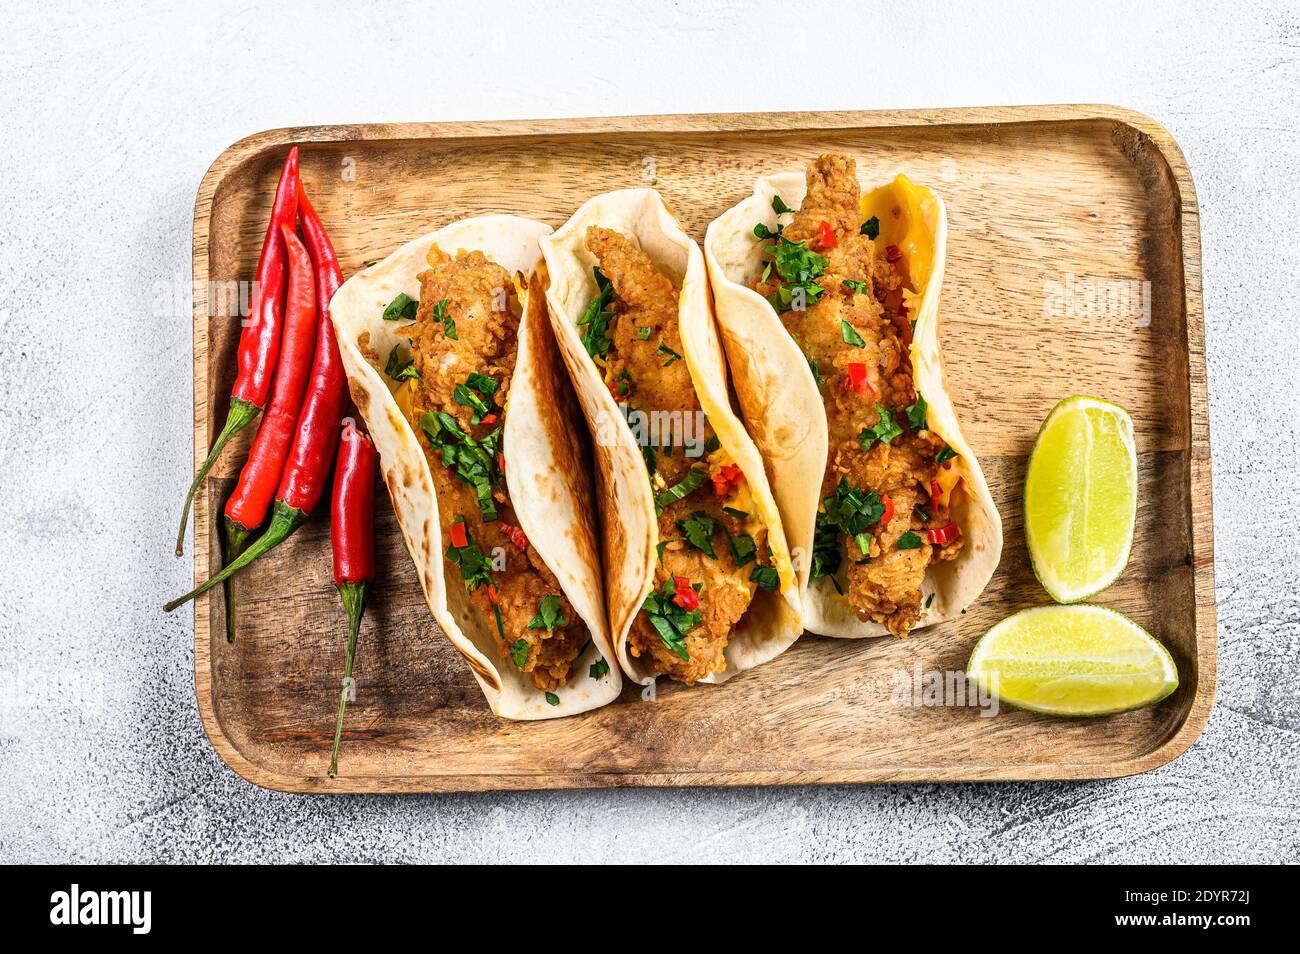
{"x": 738, "y": 514}
{"x": 399, "y": 369}
{"x": 699, "y": 530}
{"x": 871, "y": 228}
{"x": 812, "y": 363}
{"x": 482, "y": 383}
{"x": 596, "y": 338}
{"x": 849, "y": 510}
{"x": 401, "y": 308}
{"x": 916, "y": 413}
{"x": 946, "y": 454}
{"x": 909, "y": 541}
{"x": 884, "y": 430}
{"x": 467, "y": 397}
{"x": 448, "y": 322}
{"x": 624, "y": 386}
{"x": 643, "y": 334}
{"x": 519, "y": 650}
{"x": 669, "y": 620}
{"x": 672, "y": 355}
{"x": 928, "y": 600}
{"x": 798, "y": 266}
{"x": 682, "y": 489}
{"x": 779, "y": 206}
{"x": 548, "y": 614}
{"x": 474, "y": 567}
{"x": 858, "y": 288}
{"x": 742, "y": 548}
{"x": 850, "y": 335}
{"x": 475, "y": 462}
{"x": 552, "y": 699}
{"x": 648, "y": 455}
{"x": 766, "y": 577}
{"x": 599, "y": 669}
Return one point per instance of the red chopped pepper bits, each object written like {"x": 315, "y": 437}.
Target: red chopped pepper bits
{"x": 889, "y": 512}
{"x": 515, "y": 535}
{"x": 855, "y": 379}
{"x": 944, "y": 534}
{"x": 826, "y": 235}
{"x": 727, "y": 480}
{"x": 458, "y": 536}
{"x": 489, "y": 419}
{"x": 492, "y": 595}
{"x": 685, "y": 597}
{"x": 892, "y": 253}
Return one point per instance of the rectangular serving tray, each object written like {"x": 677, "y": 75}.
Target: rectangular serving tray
{"x": 1074, "y": 266}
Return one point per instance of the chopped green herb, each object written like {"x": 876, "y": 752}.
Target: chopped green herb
{"x": 648, "y": 454}
{"x": 738, "y": 514}
{"x": 466, "y": 397}
{"x": 849, "y": 510}
{"x": 672, "y": 355}
{"x": 519, "y": 650}
{"x": 779, "y": 206}
{"x": 448, "y": 322}
{"x": 596, "y": 338}
{"x": 858, "y": 288}
{"x": 871, "y": 228}
{"x": 850, "y": 335}
{"x": 766, "y": 577}
{"x": 599, "y": 669}
{"x": 482, "y": 383}
{"x": 946, "y": 454}
{"x": 475, "y": 462}
{"x": 928, "y": 600}
{"x": 643, "y": 334}
{"x": 548, "y": 614}
{"x": 917, "y": 413}
{"x": 699, "y": 530}
{"x": 669, "y": 620}
{"x": 909, "y": 541}
{"x": 743, "y": 549}
{"x": 712, "y": 444}
{"x": 884, "y": 430}
{"x": 401, "y": 308}
{"x": 552, "y": 699}
{"x": 399, "y": 369}
{"x": 682, "y": 489}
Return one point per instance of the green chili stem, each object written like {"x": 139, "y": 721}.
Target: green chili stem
{"x": 354, "y": 601}
{"x": 236, "y": 537}
{"x": 284, "y": 521}
{"x": 241, "y": 414}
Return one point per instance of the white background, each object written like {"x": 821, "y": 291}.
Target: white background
{"x": 109, "y": 116}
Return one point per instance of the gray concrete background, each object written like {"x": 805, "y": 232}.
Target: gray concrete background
{"x": 110, "y": 116}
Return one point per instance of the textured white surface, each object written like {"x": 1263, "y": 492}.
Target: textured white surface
{"x": 110, "y": 117}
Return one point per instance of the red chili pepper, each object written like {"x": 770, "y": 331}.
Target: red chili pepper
{"x": 489, "y": 419}
{"x": 458, "y": 536}
{"x": 501, "y": 461}
{"x": 826, "y": 235}
{"x": 856, "y": 379}
{"x": 945, "y": 534}
{"x": 259, "y": 342}
{"x": 685, "y": 597}
{"x": 889, "y": 512}
{"x": 493, "y": 598}
{"x": 307, "y": 467}
{"x": 727, "y": 480}
{"x": 247, "y": 506}
{"x": 892, "y": 253}
{"x": 515, "y": 535}
{"x": 352, "y": 534}
{"x": 936, "y": 495}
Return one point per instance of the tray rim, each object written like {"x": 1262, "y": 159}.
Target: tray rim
{"x": 1199, "y": 460}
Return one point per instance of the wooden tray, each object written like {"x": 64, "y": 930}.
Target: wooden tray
{"x": 1035, "y": 196}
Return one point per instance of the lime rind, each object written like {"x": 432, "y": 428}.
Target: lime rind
{"x": 1052, "y": 580}
{"x": 1075, "y": 661}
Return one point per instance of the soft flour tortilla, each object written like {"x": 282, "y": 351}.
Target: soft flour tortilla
{"x": 547, "y": 474}
{"x": 784, "y": 408}
{"x": 627, "y": 507}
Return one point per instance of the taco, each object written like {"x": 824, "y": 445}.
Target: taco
{"x": 452, "y": 363}
{"x": 698, "y": 577}
{"x": 827, "y": 296}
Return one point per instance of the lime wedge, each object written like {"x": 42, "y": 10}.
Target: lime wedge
{"x": 1081, "y": 498}
{"x": 1072, "y": 661}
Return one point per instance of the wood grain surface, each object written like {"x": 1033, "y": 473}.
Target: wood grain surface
{"x": 1041, "y": 201}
